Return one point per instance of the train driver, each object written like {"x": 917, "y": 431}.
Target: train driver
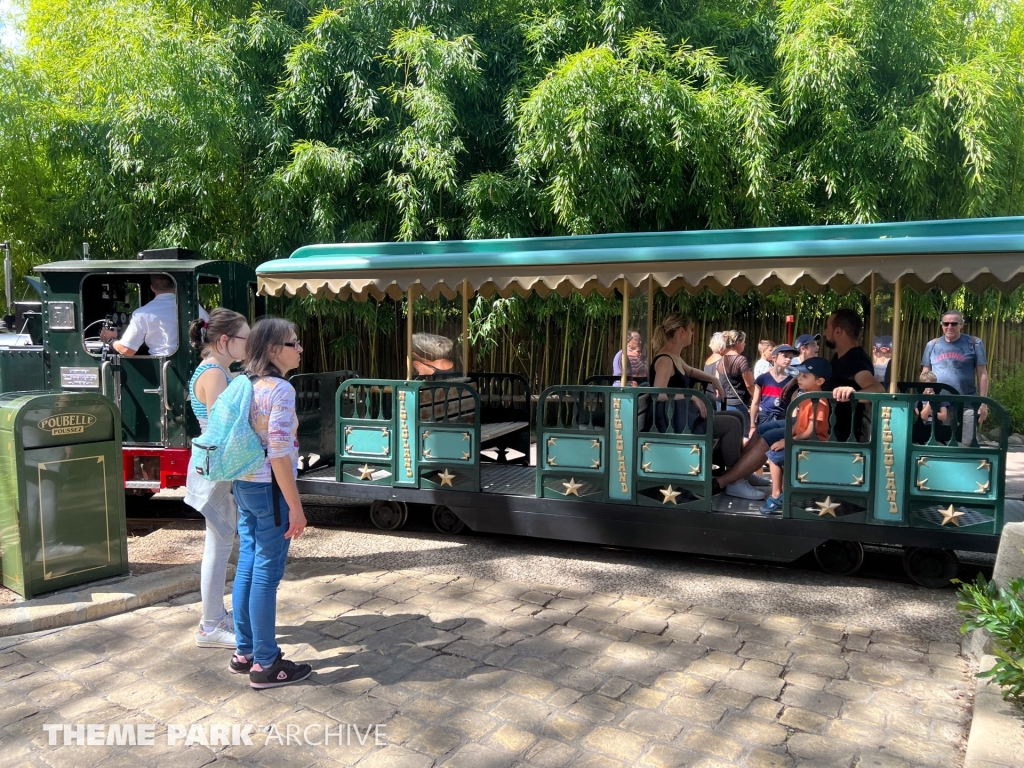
{"x": 154, "y": 324}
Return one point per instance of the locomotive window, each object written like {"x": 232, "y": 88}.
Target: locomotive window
{"x": 109, "y": 304}
{"x": 209, "y": 291}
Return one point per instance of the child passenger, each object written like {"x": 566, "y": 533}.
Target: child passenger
{"x": 765, "y": 355}
{"x": 926, "y": 414}
{"x": 766, "y": 403}
{"x": 811, "y": 417}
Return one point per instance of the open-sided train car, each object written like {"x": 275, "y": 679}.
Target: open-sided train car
{"x": 603, "y": 472}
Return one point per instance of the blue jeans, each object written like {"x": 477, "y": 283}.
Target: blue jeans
{"x": 262, "y": 552}
{"x": 744, "y": 412}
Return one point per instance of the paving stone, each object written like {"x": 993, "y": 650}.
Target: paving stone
{"x": 763, "y": 758}
{"x": 819, "y": 664}
{"x": 528, "y": 713}
{"x": 752, "y": 729}
{"x": 829, "y": 750}
{"x": 770, "y": 653}
{"x": 905, "y": 722}
{"x": 803, "y": 720}
{"x": 764, "y": 667}
{"x": 661, "y": 756}
{"x": 549, "y": 753}
{"x": 711, "y": 743}
{"x": 533, "y": 687}
{"x": 564, "y": 697}
{"x": 874, "y": 759}
{"x": 682, "y": 683}
{"x": 511, "y": 739}
{"x": 396, "y": 757}
{"x": 922, "y": 751}
{"x": 647, "y": 698}
{"x": 652, "y": 724}
{"x": 859, "y": 712}
{"x": 477, "y": 756}
{"x": 730, "y": 697}
{"x": 815, "y": 701}
{"x": 764, "y": 708}
{"x": 435, "y": 741}
{"x": 616, "y": 743}
{"x": 695, "y": 710}
{"x": 754, "y": 683}
{"x": 856, "y": 733}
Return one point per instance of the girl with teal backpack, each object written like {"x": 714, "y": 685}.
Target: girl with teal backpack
{"x": 269, "y": 507}
{"x": 222, "y": 341}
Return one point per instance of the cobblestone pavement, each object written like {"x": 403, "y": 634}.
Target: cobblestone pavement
{"x": 475, "y": 672}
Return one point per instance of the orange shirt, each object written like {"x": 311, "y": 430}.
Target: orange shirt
{"x": 803, "y": 418}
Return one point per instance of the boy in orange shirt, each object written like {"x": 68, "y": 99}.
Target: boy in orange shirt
{"x": 811, "y": 417}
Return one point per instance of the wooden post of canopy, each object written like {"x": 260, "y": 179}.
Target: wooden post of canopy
{"x": 465, "y": 327}
{"x": 897, "y": 311}
{"x": 871, "y": 317}
{"x": 410, "y": 297}
{"x": 625, "y": 330}
{"x": 651, "y": 287}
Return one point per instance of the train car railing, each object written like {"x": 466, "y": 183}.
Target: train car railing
{"x": 572, "y": 443}
{"x": 674, "y": 443}
{"x": 889, "y": 472}
{"x": 415, "y": 434}
{"x": 505, "y": 408}
{"x": 315, "y": 397}
{"x": 611, "y": 380}
{"x": 447, "y": 431}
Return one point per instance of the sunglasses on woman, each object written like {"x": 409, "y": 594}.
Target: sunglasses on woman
{"x": 292, "y": 344}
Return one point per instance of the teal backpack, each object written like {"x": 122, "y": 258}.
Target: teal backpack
{"x": 229, "y": 449}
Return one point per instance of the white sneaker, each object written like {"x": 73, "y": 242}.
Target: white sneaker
{"x": 221, "y": 636}
{"x": 741, "y": 489}
{"x": 759, "y": 481}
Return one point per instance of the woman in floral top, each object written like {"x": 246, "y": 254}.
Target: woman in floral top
{"x": 269, "y": 507}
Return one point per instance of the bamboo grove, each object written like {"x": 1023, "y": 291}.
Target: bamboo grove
{"x": 246, "y": 129}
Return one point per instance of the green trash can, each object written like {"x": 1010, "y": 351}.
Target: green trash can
{"x": 62, "y": 519}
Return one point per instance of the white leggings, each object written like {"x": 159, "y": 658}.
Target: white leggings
{"x": 213, "y": 573}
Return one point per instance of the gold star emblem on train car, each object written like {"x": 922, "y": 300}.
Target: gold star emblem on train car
{"x": 858, "y": 458}
{"x": 366, "y": 472}
{"x": 465, "y": 436}
{"x": 465, "y": 455}
{"x": 446, "y": 478}
{"x": 426, "y": 453}
{"x": 572, "y": 487}
{"x": 348, "y": 430}
{"x": 595, "y": 463}
{"x": 802, "y": 477}
{"x": 802, "y": 455}
{"x": 859, "y": 480}
{"x": 670, "y": 495}
{"x": 922, "y": 461}
{"x": 552, "y": 441}
{"x": 646, "y": 467}
{"x": 426, "y": 434}
{"x": 695, "y": 449}
{"x": 827, "y": 507}
{"x": 982, "y": 487}
{"x": 645, "y": 447}
{"x": 551, "y": 461}
{"x": 595, "y": 443}
{"x": 950, "y": 515}
{"x": 984, "y": 464}
{"x": 385, "y": 432}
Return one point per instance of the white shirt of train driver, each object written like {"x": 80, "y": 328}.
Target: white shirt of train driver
{"x": 156, "y": 325}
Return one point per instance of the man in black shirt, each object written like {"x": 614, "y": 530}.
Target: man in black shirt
{"x": 852, "y": 371}
{"x": 852, "y": 367}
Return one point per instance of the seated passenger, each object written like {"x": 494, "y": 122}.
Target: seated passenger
{"x": 767, "y": 403}
{"x": 811, "y": 418}
{"x": 431, "y": 354}
{"x": 155, "y": 324}
{"x": 672, "y": 335}
{"x": 926, "y": 414}
{"x": 637, "y": 364}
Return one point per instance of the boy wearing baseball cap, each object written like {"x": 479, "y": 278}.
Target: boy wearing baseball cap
{"x": 767, "y": 403}
{"x": 811, "y": 418}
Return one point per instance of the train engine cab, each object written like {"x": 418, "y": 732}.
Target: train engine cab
{"x": 120, "y": 328}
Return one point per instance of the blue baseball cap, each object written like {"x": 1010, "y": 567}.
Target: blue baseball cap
{"x": 803, "y": 341}
{"x": 819, "y": 367}
{"x": 785, "y": 348}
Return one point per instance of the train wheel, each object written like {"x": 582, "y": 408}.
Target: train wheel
{"x": 840, "y": 558}
{"x": 388, "y": 515}
{"x": 932, "y": 568}
{"x": 446, "y": 521}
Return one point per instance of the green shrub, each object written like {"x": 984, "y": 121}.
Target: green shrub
{"x": 1006, "y": 387}
{"x": 1001, "y": 612}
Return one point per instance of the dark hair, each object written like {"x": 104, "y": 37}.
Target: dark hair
{"x": 161, "y": 284}
{"x": 849, "y": 321}
{"x": 223, "y": 322}
{"x": 269, "y": 332}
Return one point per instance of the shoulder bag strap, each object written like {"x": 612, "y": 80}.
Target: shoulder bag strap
{"x": 728, "y": 379}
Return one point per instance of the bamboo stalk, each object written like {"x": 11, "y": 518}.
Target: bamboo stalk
{"x": 896, "y": 328}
